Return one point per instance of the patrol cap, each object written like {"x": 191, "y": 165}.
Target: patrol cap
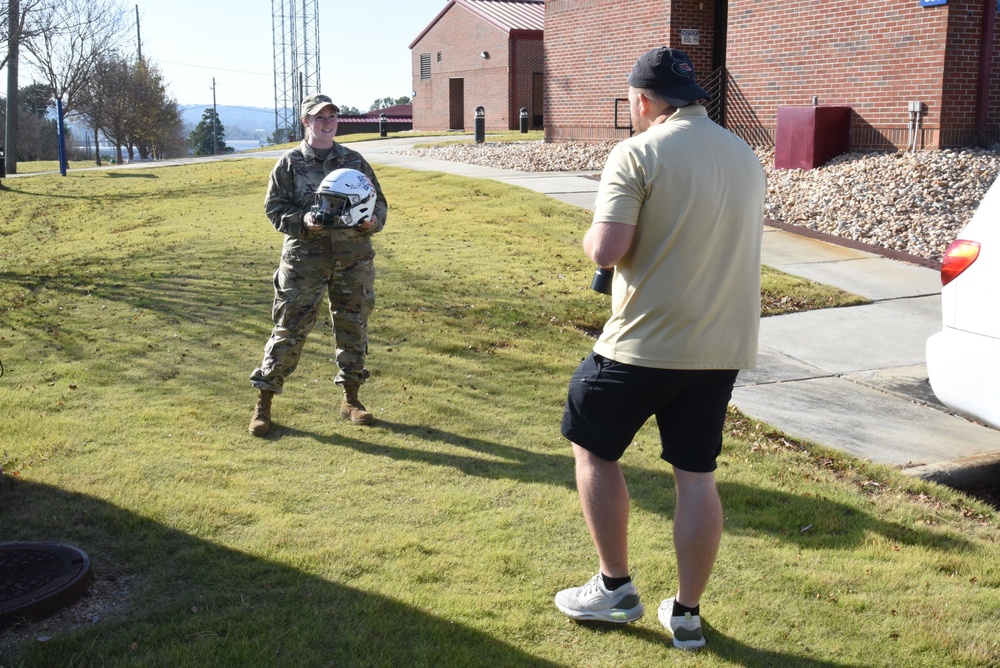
{"x": 315, "y": 102}
{"x": 669, "y": 73}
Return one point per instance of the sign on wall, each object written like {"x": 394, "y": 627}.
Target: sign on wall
{"x": 932, "y": 3}
{"x": 690, "y": 36}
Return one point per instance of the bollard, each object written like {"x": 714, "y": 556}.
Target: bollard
{"x": 480, "y": 124}
{"x": 3, "y": 163}
{"x": 383, "y": 122}
{"x": 524, "y": 120}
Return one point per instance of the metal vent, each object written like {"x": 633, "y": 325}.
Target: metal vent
{"x": 37, "y": 579}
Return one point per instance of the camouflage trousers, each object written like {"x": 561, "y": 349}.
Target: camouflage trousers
{"x": 342, "y": 266}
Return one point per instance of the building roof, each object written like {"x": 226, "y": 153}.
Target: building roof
{"x": 508, "y": 15}
{"x": 392, "y": 112}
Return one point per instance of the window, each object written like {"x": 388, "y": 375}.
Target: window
{"x": 439, "y": 56}
{"x": 425, "y": 66}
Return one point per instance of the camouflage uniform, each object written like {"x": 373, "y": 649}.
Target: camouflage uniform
{"x": 338, "y": 261}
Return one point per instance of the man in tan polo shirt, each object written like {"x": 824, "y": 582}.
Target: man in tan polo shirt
{"x": 679, "y": 216}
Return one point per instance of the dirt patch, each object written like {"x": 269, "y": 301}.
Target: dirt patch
{"x": 109, "y": 595}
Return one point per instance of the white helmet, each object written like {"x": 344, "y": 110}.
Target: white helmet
{"x": 346, "y": 196}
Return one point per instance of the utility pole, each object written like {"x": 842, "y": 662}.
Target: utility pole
{"x": 215, "y": 130}
{"x": 138, "y": 37}
{"x": 13, "y": 44}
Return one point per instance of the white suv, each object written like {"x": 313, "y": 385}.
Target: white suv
{"x": 963, "y": 359}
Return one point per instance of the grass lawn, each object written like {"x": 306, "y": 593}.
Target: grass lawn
{"x": 135, "y": 303}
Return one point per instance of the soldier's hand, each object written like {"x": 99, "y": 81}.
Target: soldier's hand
{"x": 309, "y": 220}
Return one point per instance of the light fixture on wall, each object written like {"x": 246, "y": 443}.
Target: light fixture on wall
{"x": 485, "y": 55}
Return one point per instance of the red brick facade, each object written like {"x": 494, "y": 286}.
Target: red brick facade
{"x": 875, "y": 56}
{"x": 529, "y": 73}
{"x": 461, "y": 79}
{"x": 590, "y": 46}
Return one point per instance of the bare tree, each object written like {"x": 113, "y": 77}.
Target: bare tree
{"x": 76, "y": 33}
{"x": 17, "y": 23}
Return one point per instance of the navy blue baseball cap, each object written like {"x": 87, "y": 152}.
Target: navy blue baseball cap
{"x": 669, "y": 73}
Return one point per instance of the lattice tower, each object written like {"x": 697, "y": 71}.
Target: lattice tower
{"x": 295, "y": 28}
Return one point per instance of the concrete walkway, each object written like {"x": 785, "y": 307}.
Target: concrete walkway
{"x": 853, "y": 378}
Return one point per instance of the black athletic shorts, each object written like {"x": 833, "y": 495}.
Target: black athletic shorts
{"x": 609, "y": 401}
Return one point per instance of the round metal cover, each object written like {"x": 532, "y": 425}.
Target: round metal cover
{"x": 37, "y": 579}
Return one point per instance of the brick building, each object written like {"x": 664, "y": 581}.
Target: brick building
{"x": 398, "y": 118}
{"x": 479, "y": 53}
{"x": 874, "y": 56}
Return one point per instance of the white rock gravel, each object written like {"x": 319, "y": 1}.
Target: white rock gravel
{"x": 915, "y": 203}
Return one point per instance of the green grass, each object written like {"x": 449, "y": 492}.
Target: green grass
{"x": 39, "y": 166}
{"x": 133, "y": 307}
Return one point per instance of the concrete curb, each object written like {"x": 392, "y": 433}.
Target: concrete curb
{"x": 960, "y": 473}
{"x": 850, "y": 243}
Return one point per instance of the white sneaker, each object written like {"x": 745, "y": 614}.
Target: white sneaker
{"x": 594, "y": 601}
{"x": 686, "y": 628}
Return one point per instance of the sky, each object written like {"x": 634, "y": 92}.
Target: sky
{"x": 364, "y": 48}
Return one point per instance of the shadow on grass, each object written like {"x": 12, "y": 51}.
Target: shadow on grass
{"x": 164, "y": 288}
{"x": 203, "y": 604}
{"x": 749, "y": 510}
{"x": 719, "y": 645}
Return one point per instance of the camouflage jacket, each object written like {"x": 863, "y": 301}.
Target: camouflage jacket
{"x": 293, "y": 183}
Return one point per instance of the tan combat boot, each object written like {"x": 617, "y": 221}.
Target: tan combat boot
{"x": 260, "y": 424}
{"x": 352, "y": 409}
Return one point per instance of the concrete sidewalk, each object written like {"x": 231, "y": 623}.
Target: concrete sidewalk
{"x": 853, "y": 378}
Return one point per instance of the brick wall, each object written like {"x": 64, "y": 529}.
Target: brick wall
{"x": 961, "y": 75}
{"x": 874, "y": 55}
{"x": 590, "y": 47}
{"x": 529, "y": 60}
{"x": 460, "y": 37}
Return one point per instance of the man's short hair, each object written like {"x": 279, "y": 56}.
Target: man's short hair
{"x": 656, "y": 96}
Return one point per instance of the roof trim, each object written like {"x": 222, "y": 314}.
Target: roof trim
{"x": 432, "y": 23}
{"x": 475, "y": 10}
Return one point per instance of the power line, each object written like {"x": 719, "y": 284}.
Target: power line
{"x": 259, "y": 110}
{"x": 220, "y": 69}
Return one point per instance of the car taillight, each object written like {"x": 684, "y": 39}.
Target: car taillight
{"x": 959, "y": 257}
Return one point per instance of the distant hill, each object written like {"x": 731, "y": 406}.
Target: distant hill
{"x": 239, "y": 122}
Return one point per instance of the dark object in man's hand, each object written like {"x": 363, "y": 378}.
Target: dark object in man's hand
{"x": 602, "y": 280}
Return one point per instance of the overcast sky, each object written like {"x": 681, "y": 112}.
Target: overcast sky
{"x": 364, "y": 48}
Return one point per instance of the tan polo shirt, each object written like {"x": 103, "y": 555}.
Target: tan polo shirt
{"x": 687, "y": 295}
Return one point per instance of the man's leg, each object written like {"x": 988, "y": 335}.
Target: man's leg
{"x": 697, "y": 533}
{"x": 605, "y": 501}
{"x": 604, "y": 498}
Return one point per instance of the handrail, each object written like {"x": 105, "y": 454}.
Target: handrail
{"x": 716, "y": 85}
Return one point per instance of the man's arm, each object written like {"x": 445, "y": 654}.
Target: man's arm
{"x": 607, "y": 243}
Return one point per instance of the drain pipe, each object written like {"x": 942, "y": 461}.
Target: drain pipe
{"x": 916, "y": 111}
{"x": 986, "y": 46}
{"x": 909, "y": 130}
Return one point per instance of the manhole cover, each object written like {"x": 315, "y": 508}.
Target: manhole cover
{"x": 37, "y": 579}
